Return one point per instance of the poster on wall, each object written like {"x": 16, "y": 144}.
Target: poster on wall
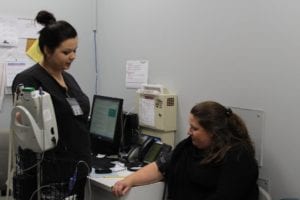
{"x": 17, "y": 36}
{"x": 136, "y": 73}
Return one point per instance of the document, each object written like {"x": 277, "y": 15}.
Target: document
{"x": 136, "y": 73}
{"x": 12, "y": 69}
{"x": 27, "y": 28}
{"x": 8, "y": 33}
{"x": 147, "y": 111}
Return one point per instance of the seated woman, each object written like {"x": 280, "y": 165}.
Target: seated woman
{"x": 215, "y": 162}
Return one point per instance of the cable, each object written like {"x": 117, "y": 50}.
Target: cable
{"x": 96, "y": 61}
{"x": 34, "y": 165}
{"x": 37, "y": 190}
{"x": 95, "y": 45}
{"x": 72, "y": 182}
{"x": 73, "y": 178}
{"x": 89, "y": 181}
{"x": 85, "y": 163}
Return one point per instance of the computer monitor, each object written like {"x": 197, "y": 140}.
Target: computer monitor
{"x": 106, "y": 125}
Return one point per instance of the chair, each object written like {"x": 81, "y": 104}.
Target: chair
{"x": 263, "y": 194}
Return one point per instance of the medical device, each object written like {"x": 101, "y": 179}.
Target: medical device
{"x": 33, "y": 120}
{"x": 33, "y": 127}
{"x": 157, "y": 107}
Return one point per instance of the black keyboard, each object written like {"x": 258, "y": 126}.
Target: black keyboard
{"x": 103, "y": 163}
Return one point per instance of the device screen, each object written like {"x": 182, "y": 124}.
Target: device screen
{"x": 152, "y": 153}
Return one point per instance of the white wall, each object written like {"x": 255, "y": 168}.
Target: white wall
{"x": 81, "y": 14}
{"x": 238, "y": 52}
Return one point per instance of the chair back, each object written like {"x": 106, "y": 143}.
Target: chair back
{"x": 263, "y": 194}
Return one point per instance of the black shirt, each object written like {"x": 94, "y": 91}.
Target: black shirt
{"x": 233, "y": 179}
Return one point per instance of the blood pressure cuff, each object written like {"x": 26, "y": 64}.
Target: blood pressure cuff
{"x": 163, "y": 161}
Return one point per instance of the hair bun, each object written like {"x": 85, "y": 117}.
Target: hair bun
{"x": 45, "y": 18}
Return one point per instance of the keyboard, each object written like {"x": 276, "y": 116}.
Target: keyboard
{"x": 103, "y": 163}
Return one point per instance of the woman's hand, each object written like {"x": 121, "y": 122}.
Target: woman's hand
{"x": 121, "y": 188}
{"x": 146, "y": 175}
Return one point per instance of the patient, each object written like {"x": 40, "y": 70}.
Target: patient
{"x": 215, "y": 162}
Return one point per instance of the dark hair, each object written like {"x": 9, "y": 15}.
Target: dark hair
{"x": 227, "y": 129}
{"x": 54, "y": 32}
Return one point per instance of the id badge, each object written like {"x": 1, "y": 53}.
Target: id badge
{"x": 75, "y": 106}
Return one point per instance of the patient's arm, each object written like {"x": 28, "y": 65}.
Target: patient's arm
{"x": 146, "y": 175}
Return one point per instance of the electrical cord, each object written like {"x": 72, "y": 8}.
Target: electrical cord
{"x": 37, "y": 190}
{"x": 74, "y": 178}
{"x": 96, "y": 61}
{"x": 34, "y": 165}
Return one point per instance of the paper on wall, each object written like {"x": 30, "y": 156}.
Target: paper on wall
{"x": 136, "y": 73}
{"x": 12, "y": 69}
{"x": 27, "y": 28}
{"x": 8, "y": 33}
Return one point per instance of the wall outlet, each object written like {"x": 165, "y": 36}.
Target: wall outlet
{"x": 264, "y": 183}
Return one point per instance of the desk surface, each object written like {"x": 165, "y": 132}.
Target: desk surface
{"x": 106, "y": 181}
{"x": 101, "y": 187}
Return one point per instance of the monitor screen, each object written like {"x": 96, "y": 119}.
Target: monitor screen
{"x": 105, "y": 124}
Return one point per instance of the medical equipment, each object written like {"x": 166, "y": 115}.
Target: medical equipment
{"x": 156, "y": 107}
{"x": 157, "y": 111}
{"x": 33, "y": 127}
{"x": 33, "y": 121}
